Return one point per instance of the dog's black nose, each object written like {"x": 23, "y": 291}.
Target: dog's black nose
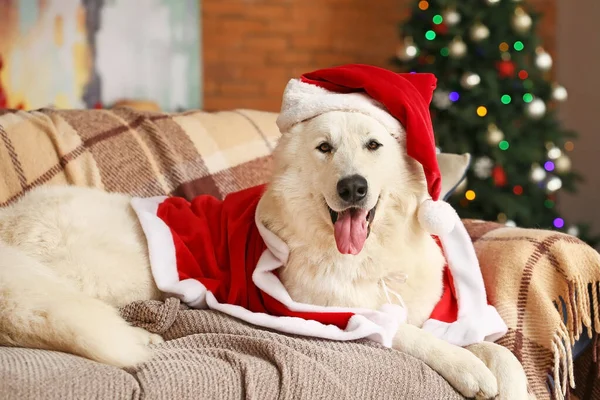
{"x": 352, "y": 189}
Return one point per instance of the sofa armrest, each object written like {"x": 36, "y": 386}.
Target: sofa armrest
{"x": 545, "y": 286}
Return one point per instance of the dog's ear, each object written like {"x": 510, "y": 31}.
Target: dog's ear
{"x": 453, "y": 168}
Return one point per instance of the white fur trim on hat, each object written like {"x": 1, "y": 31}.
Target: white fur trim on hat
{"x": 302, "y": 101}
{"x": 437, "y": 217}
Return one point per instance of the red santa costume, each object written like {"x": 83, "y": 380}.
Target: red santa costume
{"x": 216, "y": 254}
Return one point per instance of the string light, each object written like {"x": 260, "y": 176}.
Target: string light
{"x": 454, "y": 96}
{"x": 558, "y": 222}
{"x": 549, "y": 166}
{"x": 569, "y": 146}
{"x": 527, "y": 97}
{"x": 518, "y": 190}
{"x": 505, "y": 99}
{"x": 481, "y": 111}
{"x": 430, "y": 35}
{"x": 423, "y": 5}
{"x": 548, "y": 203}
{"x": 503, "y": 145}
{"x": 470, "y": 195}
{"x": 523, "y": 74}
{"x": 518, "y": 45}
{"x": 437, "y": 19}
{"x": 444, "y": 51}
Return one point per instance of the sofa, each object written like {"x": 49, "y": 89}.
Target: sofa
{"x": 538, "y": 280}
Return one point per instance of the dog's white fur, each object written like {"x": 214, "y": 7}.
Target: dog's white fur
{"x": 69, "y": 256}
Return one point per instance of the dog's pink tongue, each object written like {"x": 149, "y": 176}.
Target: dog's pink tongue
{"x": 351, "y": 231}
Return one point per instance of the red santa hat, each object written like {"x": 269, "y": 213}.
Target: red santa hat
{"x": 400, "y": 102}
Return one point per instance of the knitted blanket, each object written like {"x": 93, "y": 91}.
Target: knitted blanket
{"x": 535, "y": 278}
{"x": 209, "y": 355}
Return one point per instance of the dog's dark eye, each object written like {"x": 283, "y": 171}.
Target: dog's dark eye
{"x": 324, "y": 148}
{"x": 373, "y": 145}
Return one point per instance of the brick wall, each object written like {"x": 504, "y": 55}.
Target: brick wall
{"x": 251, "y": 48}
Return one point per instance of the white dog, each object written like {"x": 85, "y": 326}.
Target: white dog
{"x": 70, "y": 256}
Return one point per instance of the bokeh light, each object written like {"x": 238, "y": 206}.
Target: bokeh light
{"x": 423, "y": 5}
{"x": 569, "y": 146}
{"x": 503, "y": 46}
{"x": 518, "y": 190}
{"x": 505, "y": 99}
{"x": 437, "y": 19}
{"x": 559, "y": 222}
{"x": 523, "y": 74}
{"x": 430, "y": 35}
{"x": 454, "y": 96}
{"x": 444, "y": 51}
{"x": 503, "y": 145}
{"x": 470, "y": 195}
{"x": 481, "y": 111}
{"x": 519, "y": 45}
{"x": 549, "y": 166}
{"x": 527, "y": 97}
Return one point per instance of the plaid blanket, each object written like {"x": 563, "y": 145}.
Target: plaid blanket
{"x": 535, "y": 278}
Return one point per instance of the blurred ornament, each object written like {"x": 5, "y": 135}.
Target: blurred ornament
{"x": 563, "y": 164}
{"x": 573, "y": 230}
{"x": 536, "y": 109}
{"x": 457, "y": 48}
{"x": 543, "y": 60}
{"x": 479, "y": 32}
{"x": 451, "y": 16}
{"x": 469, "y": 80}
{"x": 502, "y": 218}
{"x": 553, "y": 152}
{"x": 441, "y": 29}
{"x": 408, "y": 50}
{"x": 506, "y": 68}
{"x": 483, "y": 167}
{"x": 441, "y": 99}
{"x": 538, "y": 173}
{"x": 510, "y": 223}
{"x": 494, "y": 134}
{"x": 521, "y": 21}
{"x": 559, "y": 93}
{"x": 553, "y": 184}
{"x": 499, "y": 176}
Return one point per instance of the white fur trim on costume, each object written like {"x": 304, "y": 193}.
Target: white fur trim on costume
{"x": 302, "y": 101}
{"x": 379, "y": 326}
{"x": 477, "y": 321}
{"x": 437, "y": 217}
{"x": 161, "y": 251}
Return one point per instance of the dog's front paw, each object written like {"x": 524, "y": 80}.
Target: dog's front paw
{"x": 512, "y": 381}
{"x": 469, "y": 375}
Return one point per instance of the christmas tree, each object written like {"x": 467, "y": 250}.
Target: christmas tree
{"x": 497, "y": 100}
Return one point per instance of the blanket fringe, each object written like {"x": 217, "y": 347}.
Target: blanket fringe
{"x": 582, "y": 310}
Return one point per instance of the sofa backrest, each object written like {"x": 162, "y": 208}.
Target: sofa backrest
{"x": 145, "y": 153}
